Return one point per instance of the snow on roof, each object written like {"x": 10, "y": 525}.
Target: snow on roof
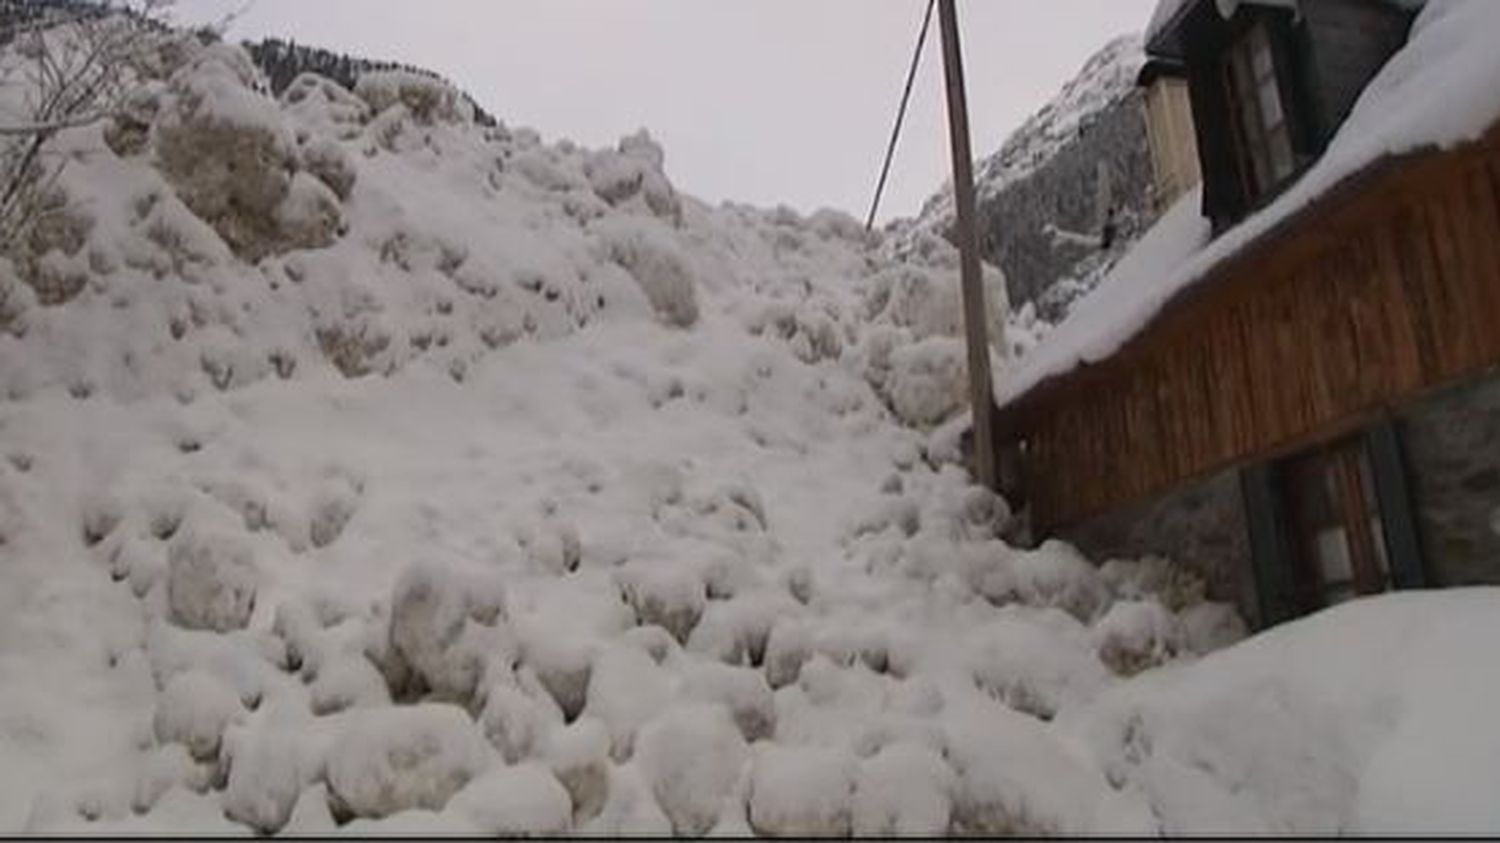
{"x": 1441, "y": 90}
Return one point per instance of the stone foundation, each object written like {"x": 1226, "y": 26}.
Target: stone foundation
{"x": 1452, "y": 448}
{"x": 1201, "y": 527}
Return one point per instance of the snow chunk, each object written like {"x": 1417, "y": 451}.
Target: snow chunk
{"x": 1036, "y": 661}
{"x": 429, "y": 99}
{"x": 211, "y": 580}
{"x": 692, "y": 756}
{"x": 1137, "y": 634}
{"x": 513, "y": 722}
{"x": 579, "y": 758}
{"x": 194, "y": 710}
{"x": 927, "y": 381}
{"x": 627, "y": 690}
{"x": 635, "y": 170}
{"x": 657, "y": 264}
{"x": 389, "y": 760}
{"x": 309, "y": 215}
{"x": 671, "y": 597}
{"x": 1207, "y": 627}
{"x": 443, "y": 625}
{"x": 519, "y": 801}
{"x": 801, "y": 792}
{"x": 269, "y": 771}
{"x": 906, "y": 791}
{"x": 630, "y": 810}
{"x": 743, "y": 690}
{"x": 1016, "y": 779}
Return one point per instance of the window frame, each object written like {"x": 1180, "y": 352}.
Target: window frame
{"x": 1251, "y": 75}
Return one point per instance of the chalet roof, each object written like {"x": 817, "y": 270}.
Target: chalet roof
{"x": 1162, "y": 35}
{"x": 1439, "y": 91}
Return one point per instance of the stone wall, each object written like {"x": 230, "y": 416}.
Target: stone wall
{"x": 1452, "y": 445}
{"x": 1201, "y": 527}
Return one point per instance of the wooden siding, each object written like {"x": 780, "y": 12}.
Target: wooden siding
{"x": 1174, "y": 143}
{"x": 1385, "y": 288}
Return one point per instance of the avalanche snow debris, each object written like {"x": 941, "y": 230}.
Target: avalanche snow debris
{"x": 667, "y": 430}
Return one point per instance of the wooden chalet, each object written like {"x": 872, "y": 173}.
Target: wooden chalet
{"x": 1317, "y": 416}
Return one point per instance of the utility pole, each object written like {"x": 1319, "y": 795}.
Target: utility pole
{"x": 975, "y": 323}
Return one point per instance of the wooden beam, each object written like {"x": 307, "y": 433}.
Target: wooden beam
{"x": 975, "y": 322}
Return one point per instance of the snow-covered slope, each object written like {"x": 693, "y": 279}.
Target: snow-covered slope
{"x": 364, "y": 469}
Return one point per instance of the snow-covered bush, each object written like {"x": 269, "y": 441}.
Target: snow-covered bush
{"x": 389, "y": 760}
{"x": 226, "y": 150}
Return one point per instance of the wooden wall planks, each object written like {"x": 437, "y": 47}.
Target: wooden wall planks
{"x": 1381, "y": 291}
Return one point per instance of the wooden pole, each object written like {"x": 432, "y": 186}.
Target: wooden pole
{"x": 980, "y": 387}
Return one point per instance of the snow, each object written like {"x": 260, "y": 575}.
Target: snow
{"x": 801, "y": 792}
{"x": 390, "y": 760}
{"x": 1399, "y": 112}
{"x": 524, "y": 800}
{"x": 446, "y": 527}
{"x": 1369, "y": 718}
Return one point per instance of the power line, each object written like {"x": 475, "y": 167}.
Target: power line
{"x": 911, "y": 78}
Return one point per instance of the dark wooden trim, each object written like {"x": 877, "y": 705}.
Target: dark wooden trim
{"x": 1402, "y": 540}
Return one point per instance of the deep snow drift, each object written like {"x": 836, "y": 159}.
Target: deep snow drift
{"x": 365, "y": 469}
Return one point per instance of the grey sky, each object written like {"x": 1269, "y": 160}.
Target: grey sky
{"x": 762, "y": 101}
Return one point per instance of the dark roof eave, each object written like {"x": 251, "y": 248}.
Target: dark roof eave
{"x": 1167, "y": 43}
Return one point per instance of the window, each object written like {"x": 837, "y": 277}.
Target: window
{"x": 1339, "y": 537}
{"x": 1263, "y": 139}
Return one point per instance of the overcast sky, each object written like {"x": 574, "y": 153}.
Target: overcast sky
{"x": 761, "y": 101}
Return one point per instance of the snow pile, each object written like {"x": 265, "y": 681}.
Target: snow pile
{"x": 1369, "y": 718}
{"x": 458, "y": 524}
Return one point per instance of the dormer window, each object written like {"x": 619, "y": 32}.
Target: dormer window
{"x": 1263, "y": 141}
